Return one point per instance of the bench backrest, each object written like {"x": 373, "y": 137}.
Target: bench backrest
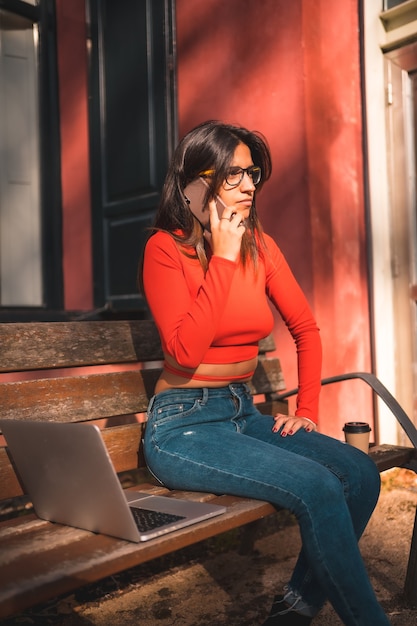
{"x": 95, "y": 371}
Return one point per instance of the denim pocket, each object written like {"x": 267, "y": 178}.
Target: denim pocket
{"x": 167, "y": 421}
{"x": 173, "y": 410}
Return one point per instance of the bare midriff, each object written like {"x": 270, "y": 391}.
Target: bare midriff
{"x": 205, "y": 375}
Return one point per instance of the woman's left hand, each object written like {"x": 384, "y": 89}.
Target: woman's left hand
{"x": 291, "y": 423}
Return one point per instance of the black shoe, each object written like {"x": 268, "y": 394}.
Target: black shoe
{"x": 291, "y": 618}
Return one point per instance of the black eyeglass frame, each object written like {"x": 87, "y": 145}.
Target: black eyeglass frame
{"x": 253, "y": 171}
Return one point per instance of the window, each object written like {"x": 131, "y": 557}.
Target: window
{"x": 132, "y": 126}
{"x": 20, "y": 219}
{"x": 390, "y": 4}
{"x": 30, "y": 251}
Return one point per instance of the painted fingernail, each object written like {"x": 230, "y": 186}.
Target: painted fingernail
{"x": 290, "y": 432}
{"x": 283, "y": 434}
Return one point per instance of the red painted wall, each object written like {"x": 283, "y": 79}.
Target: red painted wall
{"x": 75, "y": 164}
{"x": 291, "y": 71}
{"x": 336, "y": 201}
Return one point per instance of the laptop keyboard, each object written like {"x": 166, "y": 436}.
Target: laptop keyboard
{"x": 148, "y": 520}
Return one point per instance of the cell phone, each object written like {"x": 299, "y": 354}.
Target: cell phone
{"x": 195, "y": 194}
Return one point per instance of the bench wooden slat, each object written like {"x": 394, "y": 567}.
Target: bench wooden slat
{"x": 36, "y": 547}
{"x": 124, "y": 446}
{"x": 387, "y": 456}
{"x": 41, "y": 345}
{"x": 95, "y": 396}
{"x": 9, "y": 484}
{"x": 267, "y": 377}
{"x": 78, "y": 398}
{"x": 272, "y": 407}
{"x": 267, "y": 344}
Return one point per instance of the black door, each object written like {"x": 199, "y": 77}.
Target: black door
{"x": 132, "y": 122}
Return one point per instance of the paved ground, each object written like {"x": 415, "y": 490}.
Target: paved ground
{"x": 212, "y": 585}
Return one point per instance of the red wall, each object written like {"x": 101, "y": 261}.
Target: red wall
{"x": 75, "y": 165}
{"x": 291, "y": 71}
{"x": 336, "y": 201}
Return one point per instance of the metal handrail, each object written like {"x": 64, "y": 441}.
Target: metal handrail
{"x": 380, "y": 389}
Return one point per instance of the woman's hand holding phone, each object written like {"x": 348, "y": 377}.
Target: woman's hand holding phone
{"x": 223, "y": 226}
{"x": 226, "y": 232}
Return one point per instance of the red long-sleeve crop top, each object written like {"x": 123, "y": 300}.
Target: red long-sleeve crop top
{"x": 220, "y": 317}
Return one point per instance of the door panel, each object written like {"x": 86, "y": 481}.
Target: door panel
{"x": 132, "y": 116}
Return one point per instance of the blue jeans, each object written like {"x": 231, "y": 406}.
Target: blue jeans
{"x": 215, "y": 440}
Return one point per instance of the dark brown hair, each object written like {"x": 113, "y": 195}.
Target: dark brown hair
{"x": 211, "y": 145}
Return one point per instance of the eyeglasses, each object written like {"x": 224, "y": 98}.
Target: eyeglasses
{"x": 235, "y": 174}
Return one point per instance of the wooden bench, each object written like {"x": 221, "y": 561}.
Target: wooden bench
{"x": 105, "y": 372}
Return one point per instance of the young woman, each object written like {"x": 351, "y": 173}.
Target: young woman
{"x": 208, "y": 282}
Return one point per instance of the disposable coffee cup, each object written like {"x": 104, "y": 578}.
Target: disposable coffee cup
{"x": 357, "y": 435}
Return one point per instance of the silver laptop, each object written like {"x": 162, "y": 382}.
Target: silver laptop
{"x": 67, "y": 472}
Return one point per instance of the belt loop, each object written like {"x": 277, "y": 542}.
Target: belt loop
{"x": 205, "y": 395}
{"x": 150, "y": 405}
